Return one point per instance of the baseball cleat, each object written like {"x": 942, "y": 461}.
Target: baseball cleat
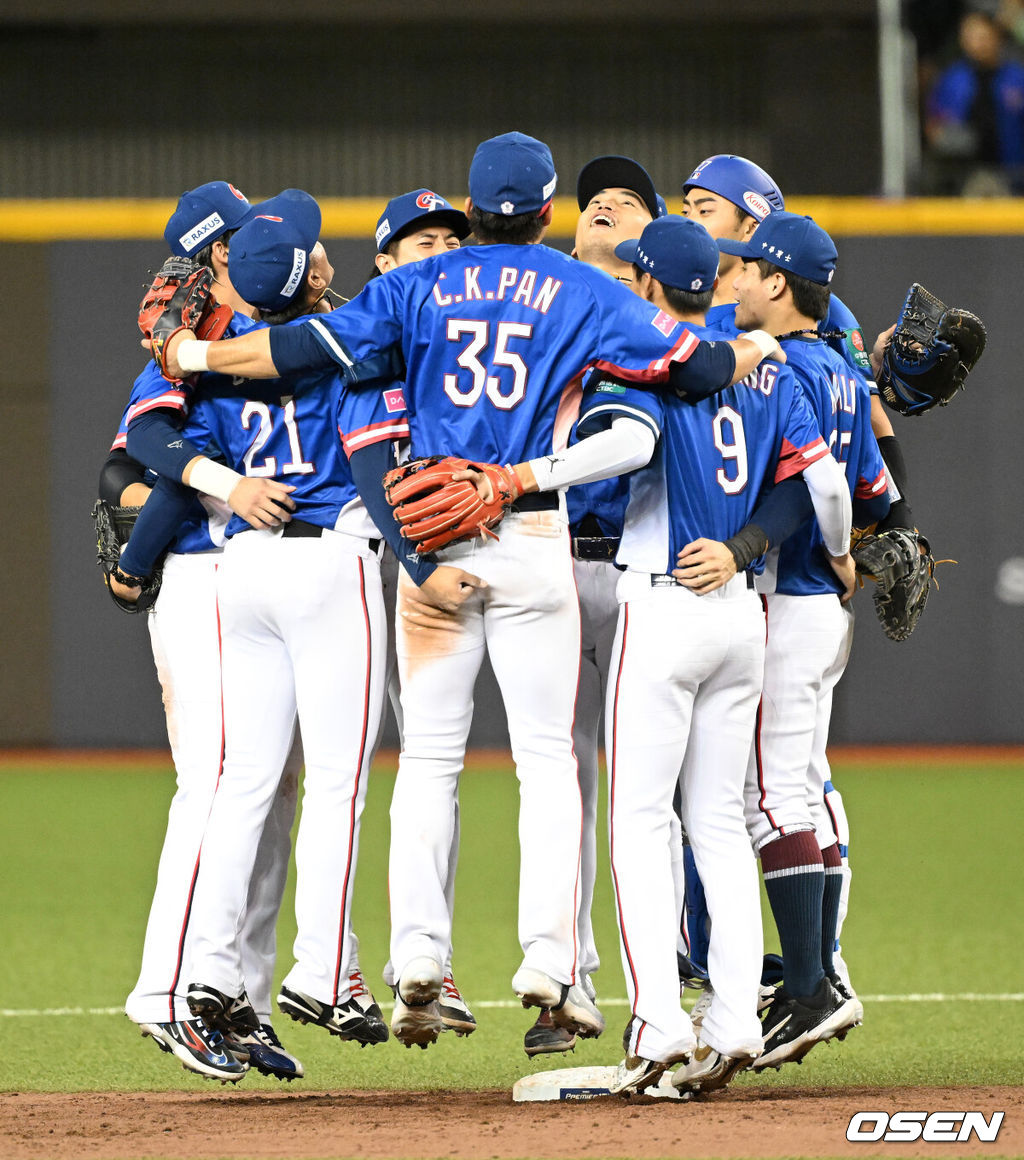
{"x": 635, "y": 1074}
{"x": 701, "y": 1007}
{"x": 417, "y": 1014}
{"x": 708, "y": 1070}
{"x": 793, "y": 1026}
{"x": 420, "y": 982}
{"x": 418, "y": 1023}
{"x": 568, "y": 1003}
{"x": 545, "y": 1038}
{"x": 455, "y": 1013}
{"x": 355, "y": 1019}
{"x": 847, "y": 992}
{"x": 263, "y": 1050}
{"x": 221, "y": 1012}
{"x": 197, "y": 1048}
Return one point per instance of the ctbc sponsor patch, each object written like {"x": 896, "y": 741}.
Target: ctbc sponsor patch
{"x": 195, "y": 237}
{"x": 757, "y": 205}
{"x": 394, "y": 400}
{"x": 856, "y": 339}
{"x": 664, "y": 322}
{"x": 937, "y": 1127}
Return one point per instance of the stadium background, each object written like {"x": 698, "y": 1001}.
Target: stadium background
{"x": 111, "y": 111}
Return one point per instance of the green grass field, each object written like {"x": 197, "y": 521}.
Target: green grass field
{"x": 936, "y": 911}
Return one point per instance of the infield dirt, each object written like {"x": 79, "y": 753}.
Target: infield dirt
{"x": 784, "y": 1122}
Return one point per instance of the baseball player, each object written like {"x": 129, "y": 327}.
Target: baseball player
{"x": 783, "y": 283}
{"x": 730, "y": 196}
{"x": 489, "y": 324}
{"x": 687, "y": 671}
{"x": 296, "y": 424}
{"x": 616, "y": 198}
{"x": 321, "y": 656}
{"x": 183, "y": 633}
{"x": 413, "y": 226}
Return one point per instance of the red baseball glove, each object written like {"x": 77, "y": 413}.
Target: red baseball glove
{"x": 435, "y": 510}
{"x": 179, "y": 299}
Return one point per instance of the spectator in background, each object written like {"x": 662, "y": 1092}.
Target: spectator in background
{"x": 974, "y": 114}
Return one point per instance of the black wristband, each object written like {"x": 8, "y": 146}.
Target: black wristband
{"x": 748, "y": 543}
{"x": 125, "y": 579}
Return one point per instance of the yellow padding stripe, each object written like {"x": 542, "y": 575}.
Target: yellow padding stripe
{"x": 69, "y": 219}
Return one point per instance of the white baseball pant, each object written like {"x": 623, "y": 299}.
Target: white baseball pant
{"x": 687, "y": 674}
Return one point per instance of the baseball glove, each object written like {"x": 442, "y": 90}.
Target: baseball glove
{"x": 435, "y": 510}
{"x": 113, "y": 527}
{"x": 932, "y": 350}
{"x": 179, "y": 298}
{"x": 901, "y": 564}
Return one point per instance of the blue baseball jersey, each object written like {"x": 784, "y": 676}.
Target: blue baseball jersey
{"x": 712, "y": 458}
{"x": 839, "y": 326}
{"x": 494, "y": 340}
{"x": 603, "y": 499}
{"x": 300, "y": 431}
{"x": 841, "y": 404}
{"x": 203, "y": 528}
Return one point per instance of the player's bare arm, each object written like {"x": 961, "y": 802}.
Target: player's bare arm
{"x": 262, "y": 503}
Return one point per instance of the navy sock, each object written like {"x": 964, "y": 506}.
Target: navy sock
{"x": 794, "y": 882}
{"x": 830, "y": 905}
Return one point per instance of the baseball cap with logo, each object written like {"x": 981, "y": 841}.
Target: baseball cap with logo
{"x": 677, "y": 251}
{"x": 791, "y": 242}
{"x": 618, "y": 173}
{"x": 740, "y": 181}
{"x": 512, "y": 174}
{"x": 269, "y": 255}
{"x": 410, "y": 209}
{"x": 202, "y": 215}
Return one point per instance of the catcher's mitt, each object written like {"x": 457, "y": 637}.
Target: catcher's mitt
{"x": 113, "y": 527}
{"x": 901, "y": 564}
{"x": 179, "y": 298}
{"x": 435, "y": 510}
{"x": 932, "y": 350}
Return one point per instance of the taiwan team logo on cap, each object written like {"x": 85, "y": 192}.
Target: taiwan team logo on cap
{"x": 421, "y": 207}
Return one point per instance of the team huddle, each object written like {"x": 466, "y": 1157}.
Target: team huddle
{"x": 638, "y": 464}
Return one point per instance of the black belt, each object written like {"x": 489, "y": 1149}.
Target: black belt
{"x": 536, "y": 501}
{"x": 595, "y": 547}
{"x": 300, "y": 529}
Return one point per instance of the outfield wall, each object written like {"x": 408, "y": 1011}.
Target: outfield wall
{"x": 78, "y": 672}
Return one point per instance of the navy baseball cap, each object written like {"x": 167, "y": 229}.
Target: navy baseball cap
{"x": 740, "y": 181}
{"x": 512, "y": 174}
{"x": 202, "y": 215}
{"x": 793, "y": 243}
{"x": 269, "y": 255}
{"x": 677, "y": 251}
{"x": 422, "y": 205}
{"x": 618, "y": 173}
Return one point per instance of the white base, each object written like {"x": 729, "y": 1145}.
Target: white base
{"x": 575, "y": 1084}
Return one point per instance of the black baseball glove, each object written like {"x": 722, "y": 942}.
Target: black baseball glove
{"x": 113, "y": 527}
{"x": 901, "y": 564}
{"x": 932, "y": 350}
